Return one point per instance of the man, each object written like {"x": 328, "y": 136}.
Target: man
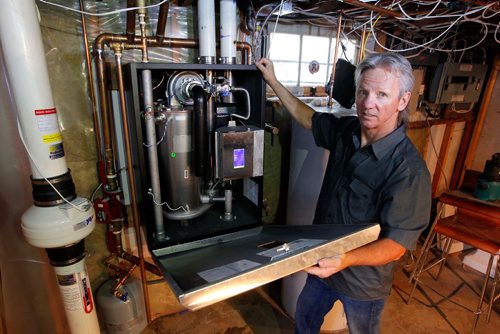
{"x": 374, "y": 174}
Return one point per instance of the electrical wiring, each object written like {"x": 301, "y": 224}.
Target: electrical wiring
{"x": 102, "y": 14}
{"x": 153, "y": 198}
{"x": 160, "y": 140}
{"x": 420, "y": 17}
{"x": 95, "y": 192}
{"x": 496, "y": 31}
{"x": 259, "y": 34}
{"x": 275, "y": 26}
{"x": 416, "y": 45}
{"x": 489, "y": 17}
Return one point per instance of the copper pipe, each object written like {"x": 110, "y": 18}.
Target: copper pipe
{"x": 120, "y": 283}
{"x": 246, "y": 50}
{"x": 131, "y": 179}
{"x": 375, "y": 8}
{"x": 90, "y": 83}
{"x": 134, "y": 259}
{"x": 131, "y": 21}
{"x": 109, "y": 160}
{"x": 162, "y": 22}
{"x": 107, "y": 38}
{"x": 335, "y": 56}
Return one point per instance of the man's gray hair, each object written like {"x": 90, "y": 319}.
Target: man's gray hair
{"x": 396, "y": 64}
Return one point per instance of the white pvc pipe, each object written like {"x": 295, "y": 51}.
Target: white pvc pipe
{"x": 206, "y": 29}
{"x": 76, "y": 292}
{"x": 228, "y": 30}
{"x": 24, "y": 55}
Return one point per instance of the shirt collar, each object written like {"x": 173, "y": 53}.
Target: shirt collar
{"x": 382, "y": 146}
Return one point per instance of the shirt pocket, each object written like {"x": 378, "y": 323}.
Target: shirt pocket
{"x": 361, "y": 202}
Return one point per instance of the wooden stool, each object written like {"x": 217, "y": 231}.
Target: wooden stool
{"x": 476, "y": 223}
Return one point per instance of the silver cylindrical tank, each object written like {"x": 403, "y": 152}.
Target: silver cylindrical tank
{"x": 125, "y": 315}
{"x": 179, "y": 184}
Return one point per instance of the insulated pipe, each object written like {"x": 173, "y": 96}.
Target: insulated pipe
{"x": 206, "y": 31}
{"x": 58, "y": 228}
{"x": 200, "y": 127}
{"x": 152, "y": 149}
{"x": 228, "y": 12}
{"x": 247, "y": 98}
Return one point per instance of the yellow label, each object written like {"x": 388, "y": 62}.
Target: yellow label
{"x": 53, "y": 137}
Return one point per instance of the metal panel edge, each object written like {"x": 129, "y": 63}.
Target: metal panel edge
{"x": 213, "y": 293}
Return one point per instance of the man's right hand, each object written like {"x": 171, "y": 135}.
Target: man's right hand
{"x": 267, "y": 68}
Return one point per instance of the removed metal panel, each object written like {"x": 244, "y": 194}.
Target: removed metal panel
{"x": 204, "y": 276}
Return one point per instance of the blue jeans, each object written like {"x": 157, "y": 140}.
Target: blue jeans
{"x": 317, "y": 299}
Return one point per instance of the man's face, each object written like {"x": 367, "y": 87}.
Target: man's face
{"x": 377, "y": 101}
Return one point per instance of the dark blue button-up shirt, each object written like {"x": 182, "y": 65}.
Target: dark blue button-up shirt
{"x": 386, "y": 182}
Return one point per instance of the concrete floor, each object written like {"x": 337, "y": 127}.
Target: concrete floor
{"x": 258, "y": 311}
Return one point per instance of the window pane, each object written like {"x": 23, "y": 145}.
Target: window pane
{"x": 286, "y": 72}
{"x": 315, "y": 48}
{"x": 316, "y": 79}
{"x": 284, "y": 46}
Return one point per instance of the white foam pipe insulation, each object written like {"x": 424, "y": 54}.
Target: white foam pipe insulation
{"x": 59, "y": 220}
{"x": 228, "y": 31}
{"x": 206, "y": 31}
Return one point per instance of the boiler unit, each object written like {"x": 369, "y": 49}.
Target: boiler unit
{"x": 198, "y": 147}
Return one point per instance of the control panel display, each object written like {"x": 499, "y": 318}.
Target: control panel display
{"x": 239, "y": 158}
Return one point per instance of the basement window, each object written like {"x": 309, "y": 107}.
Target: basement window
{"x": 292, "y": 54}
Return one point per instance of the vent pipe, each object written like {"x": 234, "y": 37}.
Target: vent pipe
{"x": 59, "y": 220}
{"x": 206, "y": 31}
{"x": 228, "y": 31}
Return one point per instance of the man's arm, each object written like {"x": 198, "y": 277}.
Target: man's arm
{"x": 299, "y": 110}
{"x": 377, "y": 253}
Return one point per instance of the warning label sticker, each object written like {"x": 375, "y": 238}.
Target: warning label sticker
{"x": 46, "y": 120}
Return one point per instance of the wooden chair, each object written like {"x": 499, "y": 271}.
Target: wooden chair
{"x": 475, "y": 223}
